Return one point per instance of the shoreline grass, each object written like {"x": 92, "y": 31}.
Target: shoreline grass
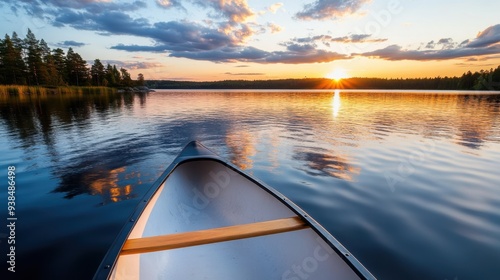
{"x": 46, "y": 90}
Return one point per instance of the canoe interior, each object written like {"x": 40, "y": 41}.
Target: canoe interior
{"x": 205, "y": 194}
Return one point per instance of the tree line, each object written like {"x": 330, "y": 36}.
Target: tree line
{"x": 31, "y": 62}
{"x": 482, "y": 80}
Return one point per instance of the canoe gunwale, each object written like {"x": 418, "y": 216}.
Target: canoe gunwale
{"x": 195, "y": 151}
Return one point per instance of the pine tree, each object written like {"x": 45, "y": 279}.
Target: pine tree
{"x": 98, "y": 73}
{"x": 70, "y": 67}
{"x": 37, "y": 74}
{"x": 110, "y": 78}
{"x": 496, "y": 75}
{"x": 3, "y": 78}
{"x": 76, "y": 68}
{"x": 116, "y": 75}
{"x": 59, "y": 61}
{"x": 12, "y": 67}
{"x": 53, "y": 78}
{"x": 140, "y": 79}
{"x": 44, "y": 50}
{"x": 20, "y": 54}
{"x": 126, "y": 80}
{"x": 19, "y": 45}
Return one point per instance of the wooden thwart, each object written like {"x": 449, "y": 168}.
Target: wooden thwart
{"x": 201, "y": 237}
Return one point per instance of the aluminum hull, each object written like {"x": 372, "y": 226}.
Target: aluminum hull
{"x": 200, "y": 191}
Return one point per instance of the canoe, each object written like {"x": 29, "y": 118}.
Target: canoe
{"x": 206, "y": 219}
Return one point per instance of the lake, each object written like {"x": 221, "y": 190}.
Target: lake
{"x": 409, "y": 182}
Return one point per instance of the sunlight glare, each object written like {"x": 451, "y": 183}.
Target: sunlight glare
{"x": 336, "y": 103}
{"x": 338, "y": 74}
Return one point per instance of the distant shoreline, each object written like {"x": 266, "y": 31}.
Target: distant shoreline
{"x": 468, "y": 81}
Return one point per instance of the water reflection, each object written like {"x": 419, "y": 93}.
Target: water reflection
{"x": 336, "y": 103}
{"x": 106, "y": 172}
{"x": 475, "y": 125}
{"x": 111, "y": 185}
{"x": 109, "y": 148}
{"x": 322, "y": 163}
{"x": 273, "y": 151}
{"x": 31, "y": 116}
{"x": 246, "y": 122}
{"x": 108, "y": 186}
{"x": 242, "y": 148}
{"x": 63, "y": 125}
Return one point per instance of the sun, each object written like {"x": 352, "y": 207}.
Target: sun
{"x": 338, "y": 74}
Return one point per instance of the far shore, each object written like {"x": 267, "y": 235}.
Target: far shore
{"x": 468, "y": 81}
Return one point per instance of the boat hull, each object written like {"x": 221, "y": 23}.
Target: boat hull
{"x": 200, "y": 191}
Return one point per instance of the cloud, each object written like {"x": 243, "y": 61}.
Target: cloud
{"x": 483, "y": 58}
{"x": 115, "y": 17}
{"x": 85, "y": 4}
{"x": 274, "y": 28}
{"x": 487, "y": 42}
{"x": 329, "y": 9}
{"x": 141, "y": 65}
{"x": 294, "y": 54}
{"x": 469, "y": 65}
{"x": 489, "y": 36}
{"x": 275, "y": 7}
{"x": 297, "y": 54}
{"x": 179, "y": 38}
{"x": 192, "y": 41}
{"x": 235, "y": 15}
{"x": 139, "y": 48}
{"x": 66, "y": 44}
{"x": 430, "y": 45}
{"x": 109, "y": 17}
{"x": 222, "y": 41}
{"x": 235, "y": 11}
{"x": 395, "y": 52}
{"x": 42, "y": 9}
{"x": 167, "y": 4}
{"x": 327, "y": 39}
{"x": 356, "y": 38}
{"x": 225, "y": 54}
{"x": 130, "y": 65}
{"x": 465, "y": 42}
{"x": 444, "y": 43}
{"x": 244, "y": 74}
{"x": 447, "y": 43}
{"x": 108, "y": 22}
{"x": 172, "y": 35}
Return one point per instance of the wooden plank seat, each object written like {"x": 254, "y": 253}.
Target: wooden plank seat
{"x": 208, "y": 236}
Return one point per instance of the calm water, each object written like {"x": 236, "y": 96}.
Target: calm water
{"x": 408, "y": 182}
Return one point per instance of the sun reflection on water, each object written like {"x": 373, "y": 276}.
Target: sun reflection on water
{"x": 336, "y": 104}
{"x": 111, "y": 187}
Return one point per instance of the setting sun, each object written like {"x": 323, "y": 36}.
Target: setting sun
{"x": 338, "y": 74}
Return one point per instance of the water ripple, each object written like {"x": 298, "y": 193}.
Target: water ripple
{"x": 407, "y": 182}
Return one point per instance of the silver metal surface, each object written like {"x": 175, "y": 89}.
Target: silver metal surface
{"x": 206, "y": 194}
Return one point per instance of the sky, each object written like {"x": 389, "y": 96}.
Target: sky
{"x": 207, "y": 40}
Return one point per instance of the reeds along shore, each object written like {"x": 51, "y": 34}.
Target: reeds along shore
{"x": 40, "y": 90}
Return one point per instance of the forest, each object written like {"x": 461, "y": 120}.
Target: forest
{"x": 483, "y": 80}
{"x": 31, "y": 62}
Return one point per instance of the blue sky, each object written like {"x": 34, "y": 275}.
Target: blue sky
{"x": 245, "y": 39}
